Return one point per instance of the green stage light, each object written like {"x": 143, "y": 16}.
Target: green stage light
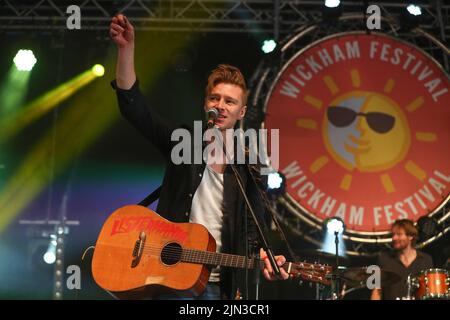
{"x": 268, "y": 46}
{"x": 414, "y": 10}
{"x": 25, "y": 60}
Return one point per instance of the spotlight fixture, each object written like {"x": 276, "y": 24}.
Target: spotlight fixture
{"x": 276, "y": 183}
{"x": 334, "y": 225}
{"x": 24, "y": 60}
{"x": 268, "y": 45}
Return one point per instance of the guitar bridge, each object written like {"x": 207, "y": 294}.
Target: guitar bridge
{"x": 138, "y": 249}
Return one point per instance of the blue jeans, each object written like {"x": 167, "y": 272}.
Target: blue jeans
{"x": 212, "y": 292}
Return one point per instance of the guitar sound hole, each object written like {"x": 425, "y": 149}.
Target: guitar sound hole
{"x": 171, "y": 254}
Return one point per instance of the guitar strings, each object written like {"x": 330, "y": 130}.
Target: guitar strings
{"x": 186, "y": 253}
{"x": 179, "y": 253}
{"x": 311, "y": 274}
{"x": 176, "y": 253}
{"x": 171, "y": 252}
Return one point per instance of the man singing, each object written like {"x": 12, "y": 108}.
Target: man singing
{"x": 205, "y": 193}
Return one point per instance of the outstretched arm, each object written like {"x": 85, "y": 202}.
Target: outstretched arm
{"x": 132, "y": 103}
{"x": 122, "y": 33}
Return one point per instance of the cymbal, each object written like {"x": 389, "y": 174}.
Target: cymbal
{"x": 359, "y": 275}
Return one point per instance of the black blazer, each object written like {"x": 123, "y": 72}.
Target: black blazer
{"x": 239, "y": 234}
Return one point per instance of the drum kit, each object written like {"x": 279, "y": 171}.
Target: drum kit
{"x": 430, "y": 284}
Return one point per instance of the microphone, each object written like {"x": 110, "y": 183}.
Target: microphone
{"x": 211, "y": 116}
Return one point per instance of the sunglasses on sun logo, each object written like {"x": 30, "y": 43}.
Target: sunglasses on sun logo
{"x": 377, "y": 121}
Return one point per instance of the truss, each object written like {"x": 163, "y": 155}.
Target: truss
{"x": 276, "y": 17}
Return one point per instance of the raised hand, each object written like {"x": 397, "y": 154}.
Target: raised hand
{"x": 121, "y": 31}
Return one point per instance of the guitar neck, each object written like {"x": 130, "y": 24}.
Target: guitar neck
{"x": 219, "y": 259}
{"x": 305, "y": 270}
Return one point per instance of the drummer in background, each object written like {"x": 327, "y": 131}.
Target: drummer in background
{"x": 403, "y": 260}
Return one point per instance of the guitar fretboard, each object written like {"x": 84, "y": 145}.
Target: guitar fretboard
{"x": 219, "y": 259}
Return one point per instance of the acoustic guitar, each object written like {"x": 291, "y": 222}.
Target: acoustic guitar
{"x": 139, "y": 254}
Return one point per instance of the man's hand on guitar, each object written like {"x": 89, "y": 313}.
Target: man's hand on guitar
{"x": 268, "y": 272}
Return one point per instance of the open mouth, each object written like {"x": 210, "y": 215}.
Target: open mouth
{"x": 221, "y": 118}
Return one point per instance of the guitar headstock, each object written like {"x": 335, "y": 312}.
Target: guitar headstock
{"x": 313, "y": 272}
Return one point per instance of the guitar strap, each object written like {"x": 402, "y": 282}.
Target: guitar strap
{"x": 151, "y": 197}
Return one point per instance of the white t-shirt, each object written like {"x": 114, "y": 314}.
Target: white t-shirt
{"x": 207, "y": 209}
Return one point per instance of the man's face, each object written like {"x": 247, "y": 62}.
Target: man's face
{"x": 229, "y": 101}
{"x": 400, "y": 240}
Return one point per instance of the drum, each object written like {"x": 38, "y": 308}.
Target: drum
{"x": 432, "y": 284}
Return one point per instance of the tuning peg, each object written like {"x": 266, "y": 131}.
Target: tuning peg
{"x": 300, "y": 283}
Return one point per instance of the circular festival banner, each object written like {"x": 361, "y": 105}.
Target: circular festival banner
{"x": 364, "y": 126}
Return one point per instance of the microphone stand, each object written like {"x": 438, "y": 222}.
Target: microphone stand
{"x": 264, "y": 240}
{"x": 336, "y": 284}
{"x": 257, "y": 279}
{"x": 335, "y": 276}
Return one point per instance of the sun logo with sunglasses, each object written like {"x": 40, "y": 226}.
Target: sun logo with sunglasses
{"x": 366, "y": 130}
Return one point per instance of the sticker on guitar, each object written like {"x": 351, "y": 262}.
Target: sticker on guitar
{"x": 138, "y": 224}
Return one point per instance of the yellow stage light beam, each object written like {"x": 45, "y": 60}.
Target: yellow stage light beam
{"x": 85, "y": 119}
{"x": 13, "y": 123}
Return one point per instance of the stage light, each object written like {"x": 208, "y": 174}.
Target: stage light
{"x": 333, "y": 225}
{"x": 79, "y": 126}
{"x": 98, "y": 70}
{"x": 24, "y": 60}
{"x": 414, "y": 10}
{"x": 410, "y": 17}
{"x": 332, "y": 3}
{"x": 333, "y": 231}
{"x": 79, "y": 123}
{"x": 14, "y": 122}
{"x": 276, "y": 183}
{"x": 50, "y": 254}
{"x": 269, "y": 45}
{"x": 331, "y": 11}
{"x": 274, "y": 180}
